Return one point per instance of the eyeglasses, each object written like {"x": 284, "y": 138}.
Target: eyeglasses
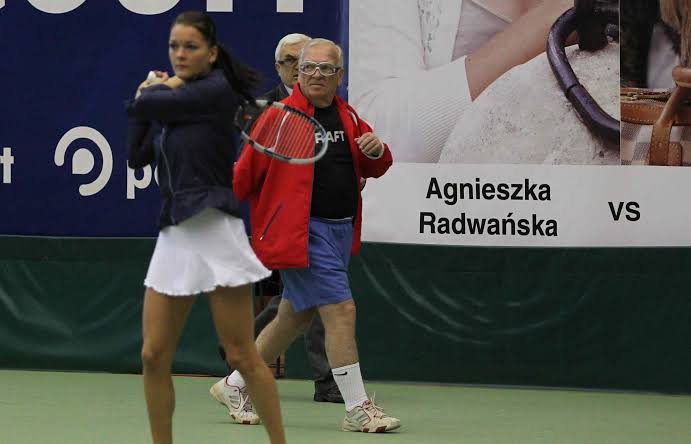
{"x": 326, "y": 69}
{"x": 288, "y": 61}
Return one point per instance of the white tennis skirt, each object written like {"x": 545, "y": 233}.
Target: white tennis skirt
{"x": 203, "y": 252}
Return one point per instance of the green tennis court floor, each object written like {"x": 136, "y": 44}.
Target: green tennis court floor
{"x": 76, "y": 408}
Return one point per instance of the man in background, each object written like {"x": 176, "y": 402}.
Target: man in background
{"x": 325, "y": 388}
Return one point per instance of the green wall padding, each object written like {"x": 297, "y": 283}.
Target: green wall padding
{"x": 601, "y": 318}
{"x": 76, "y": 304}
{"x": 598, "y": 318}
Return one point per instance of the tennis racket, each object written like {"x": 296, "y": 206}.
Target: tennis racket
{"x": 281, "y": 132}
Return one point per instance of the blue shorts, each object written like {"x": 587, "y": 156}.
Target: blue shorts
{"x": 325, "y": 280}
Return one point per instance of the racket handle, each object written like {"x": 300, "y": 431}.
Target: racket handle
{"x": 151, "y": 77}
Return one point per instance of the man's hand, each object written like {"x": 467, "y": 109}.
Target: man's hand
{"x": 370, "y": 145}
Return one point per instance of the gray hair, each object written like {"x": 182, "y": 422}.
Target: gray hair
{"x": 316, "y": 42}
{"x": 289, "y": 39}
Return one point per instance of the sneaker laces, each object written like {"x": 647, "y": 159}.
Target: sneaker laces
{"x": 371, "y": 408}
{"x": 245, "y": 402}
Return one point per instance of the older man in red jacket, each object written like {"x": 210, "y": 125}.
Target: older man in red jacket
{"x": 306, "y": 223}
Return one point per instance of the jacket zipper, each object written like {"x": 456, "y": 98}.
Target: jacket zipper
{"x": 636, "y": 96}
{"x": 164, "y": 135}
{"x": 271, "y": 220}
{"x": 307, "y": 243}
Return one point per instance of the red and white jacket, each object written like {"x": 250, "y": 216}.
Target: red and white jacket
{"x": 280, "y": 194}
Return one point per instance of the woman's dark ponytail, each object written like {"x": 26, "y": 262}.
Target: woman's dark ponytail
{"x": 241, "y": 77}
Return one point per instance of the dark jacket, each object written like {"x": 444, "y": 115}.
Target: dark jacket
{"x": 277, "y": 94}
{"x": 188, "y": 132}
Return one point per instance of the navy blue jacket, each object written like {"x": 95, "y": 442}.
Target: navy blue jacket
{"x": 189, "y": 132}
{"x": 277, "y": 94}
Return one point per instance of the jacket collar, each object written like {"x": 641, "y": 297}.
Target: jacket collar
{"x": 301, "y": 102}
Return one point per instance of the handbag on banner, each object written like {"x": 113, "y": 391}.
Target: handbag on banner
{"x": 656, "y": 124}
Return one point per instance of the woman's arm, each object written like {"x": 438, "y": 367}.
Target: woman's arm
{"x": 415, "y": 107}
{"x": 511, "y": 9}
{"x": 412, "y": 107}
{"x": 518, "y": 43}
{"x": 140, "y": 149}
{"x": 174, "y": 100}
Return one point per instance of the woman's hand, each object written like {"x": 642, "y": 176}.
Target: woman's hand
{"x": 174, "y": 82}
{"x": 161, "y": 77}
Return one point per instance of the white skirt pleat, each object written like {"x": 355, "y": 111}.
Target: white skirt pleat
{"x": 206, "y": 251}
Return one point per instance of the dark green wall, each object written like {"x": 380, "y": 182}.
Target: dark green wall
{"x": 76, "y": 304}
{"x": 607, "y": 318}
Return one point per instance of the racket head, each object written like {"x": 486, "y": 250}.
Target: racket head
{"x": 281, "y": 132}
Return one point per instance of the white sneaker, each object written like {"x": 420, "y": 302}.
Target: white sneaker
{"x": 369, "y": 418}
{"x": 237, "y": 400}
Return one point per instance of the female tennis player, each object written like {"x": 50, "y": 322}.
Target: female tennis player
{"x": 183, "y": 123}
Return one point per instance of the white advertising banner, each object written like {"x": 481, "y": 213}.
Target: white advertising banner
{"x": 529, "y": 205}
{"x": 489, "y": 136}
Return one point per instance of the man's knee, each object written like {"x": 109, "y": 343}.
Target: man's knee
{"x": 344, "y": 311}
{"x": 297, "y": 322}
{"x": 339, "y": 319}
{"x": 240, "y": 355}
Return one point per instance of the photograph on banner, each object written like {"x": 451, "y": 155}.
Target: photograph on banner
{"x": 471, "y": 82}
{"x": 656, "y": 83}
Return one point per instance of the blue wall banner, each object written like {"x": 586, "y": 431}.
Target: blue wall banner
{"x": 69, "y": 65}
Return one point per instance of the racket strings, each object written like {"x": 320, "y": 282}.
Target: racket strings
{"x": 299, "y": 139}
{"x": 285, "y": 133}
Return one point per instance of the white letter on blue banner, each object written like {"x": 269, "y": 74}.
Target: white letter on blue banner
{"x": 219, "y": 5}
{"x": 289, "y": 6}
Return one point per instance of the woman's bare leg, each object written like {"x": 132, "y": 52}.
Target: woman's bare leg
{"x": 233, "y": 313}
{"x": 162, "y": 321}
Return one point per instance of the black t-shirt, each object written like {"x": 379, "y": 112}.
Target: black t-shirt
{"x": 335, "y": 188}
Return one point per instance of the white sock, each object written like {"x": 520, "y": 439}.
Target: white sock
{"x": 236, "y": 379}
{"x": 349, "y": 382}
